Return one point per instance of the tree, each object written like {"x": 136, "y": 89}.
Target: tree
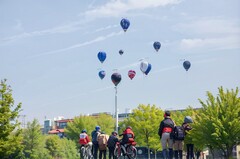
{"x": 10, "y": 132}
{"x": 74, "y": 128}
{"x": 217, "y": 124}
{"x": 145, "y": 123}
{"x": 33, "y": 140}
{"x": 106, "y": 122}
{"x": 69, "y": 149}
{"x": 53, "y": 145}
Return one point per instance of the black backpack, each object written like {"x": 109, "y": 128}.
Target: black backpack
{"x": 178, "y": 133}
{"x": 94, "y": 136}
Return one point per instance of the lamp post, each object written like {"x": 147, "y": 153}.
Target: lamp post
{"x": 116, "y": 109}
{"x": 116, "y": 78}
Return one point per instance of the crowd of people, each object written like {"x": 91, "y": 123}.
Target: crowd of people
{"x": 101, "y": 142}
{"x": 172, "y": 138}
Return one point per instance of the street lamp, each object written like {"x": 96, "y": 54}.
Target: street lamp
{"x": 116, "y": 78}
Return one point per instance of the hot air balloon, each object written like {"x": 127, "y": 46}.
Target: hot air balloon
{"x": 156, "y": 45}
{"x": 121, "y": 52}
{"x": 116, "y": 78}
{"x": 102, "y": 74}
{"x": 186, "y": 65}
{"x": 102, "y": 56}
{"x": 131, "y": 74}
{"x": 145, "y": 67}
{"x": 125, "y": 23}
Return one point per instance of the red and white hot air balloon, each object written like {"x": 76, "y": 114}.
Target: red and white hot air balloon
{"x": 131, "y": 74}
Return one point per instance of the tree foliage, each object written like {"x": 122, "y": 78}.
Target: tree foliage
{"x": 10, "y": 132}
{"x": 145, "y": 122}
{"x": 33, "y": 140}
{"x": 53, "y": 145}
{"x": 217, "y": 125}
{"x": 106, "y": 122}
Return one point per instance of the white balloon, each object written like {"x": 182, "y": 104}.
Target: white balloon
{"x": 144, "y": 66}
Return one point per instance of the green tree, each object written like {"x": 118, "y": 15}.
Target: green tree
{"x": 53, "y": 145}
{"x": 217, "y": 124}
{"x": 10, "y": 132}
{"x": 145, "y": 123}
{"x": 69, "y": 149}
{"x": 74, "y": 128}
{"x": 33, "y": 140}
{"x": 106, "y": 122}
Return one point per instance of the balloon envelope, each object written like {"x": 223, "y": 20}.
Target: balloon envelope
{"x": 116, "y": 78}
{"x": 101, "y": 74}
{"x": 131, "y": 74}
{"x": 102, "y": 56}
{"x": 125, "y": 23}
{"x": 186, "y": 65}
{"x": 121, "y": 52}
{"x": 156, "y": 45}
{"x": 145, "y": 67}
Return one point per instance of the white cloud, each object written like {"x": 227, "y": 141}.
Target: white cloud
{"x": 119, "y": 7}
{"x": 70, "y": 27}
{"x": 213, "y": 33}
{"x": 209, "y": 26}
{"x": 97, "y": 39}
{"x": 231, "y": 42}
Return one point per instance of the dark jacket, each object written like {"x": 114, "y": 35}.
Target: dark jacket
{"x": 166, "y": 125}
{"x": 112, "y": 141}
{"x": 94, "y": 135}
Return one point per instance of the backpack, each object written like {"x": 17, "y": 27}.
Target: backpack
{"x": 178, "y": 133}
{"x": 102, "y": 141}
{"x": 94, "y": 136}
{"x": 112, "y": 141}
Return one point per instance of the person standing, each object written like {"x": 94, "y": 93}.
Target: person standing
{"x": 179, "y": 137}
{"x": 94, "y": 135}
{"x": 188, "y": 139}
{"x": 165, "y": 132}
{"x": 111, "y": 144}
{"x": 102, "y": 142}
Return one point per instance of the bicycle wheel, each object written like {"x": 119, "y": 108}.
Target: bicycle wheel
{"x": 82, "y": 152}
{"x": 89, "y": 153}
{"x": 117, "y": 152}
{"x": 131, "y": 152}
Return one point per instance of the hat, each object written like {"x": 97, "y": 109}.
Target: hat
{"x": 97, "y": 128}
{"x": 167, "y": 113}
{"x": 114, "y": 132}
{"x": 188, "y": 119}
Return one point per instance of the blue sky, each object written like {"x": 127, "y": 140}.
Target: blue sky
{"x": 48, "y": 52}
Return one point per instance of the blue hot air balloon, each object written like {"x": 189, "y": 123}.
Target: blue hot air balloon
{"x": 102, "y": 56}
{"x": 116, "y": 78}
{"x": 102, "y": 74}
{"x": 125, "y": 23}
{"x": 186, "y": 65}
{"x": 145, "y": 67}
{"x": 156, "y": 45}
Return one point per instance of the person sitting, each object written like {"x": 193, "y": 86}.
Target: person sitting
{"x": 84, "y": 140}
{"x": 128, "y": 138}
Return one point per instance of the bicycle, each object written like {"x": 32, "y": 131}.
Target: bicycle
{"x": 85, "y": 152}
{"x": 131, "y": 151}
